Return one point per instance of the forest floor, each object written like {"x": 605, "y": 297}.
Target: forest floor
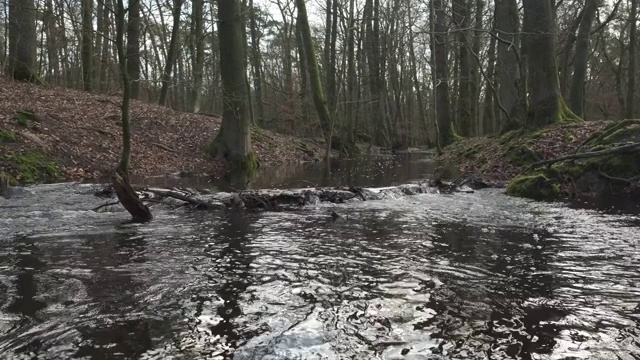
{"x": 496, "y": 160}
{"x": 50, "y": 133}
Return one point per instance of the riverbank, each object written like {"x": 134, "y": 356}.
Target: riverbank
{"x": 597, "y": 164}
{"x": 50, "y": 133}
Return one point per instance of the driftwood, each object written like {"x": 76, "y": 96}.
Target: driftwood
{"x": 275, "y": 200}
{"x": 130, "y": 200}
{"x": 626, "y": 149}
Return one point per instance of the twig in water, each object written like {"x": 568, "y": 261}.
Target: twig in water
{"x": 105, "y": 205}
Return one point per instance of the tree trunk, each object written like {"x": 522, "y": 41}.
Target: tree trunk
{"x": 123, "y": 167}
{"x": 133, "y": 47}
{"x": 474, "y": 86}
{"x": 173, "y": 49}
{"x": 314, "y": 74}
{"x": 546, "y": 105}
{"x": 631, "y": 68}
{"x": 581, "y": 58}
{"x": 489, "y": 113}
{"x": 461, "y": 19}
{"x": 198, "y": 50}
{"x": 52, "y": 42}
{"x": 256, "y": 64}
{"x": 87, "y": 45}
{"x": 441, "y": 73}
{"x": 507, "y": 29}
{"x": 233, "y": 141}
{"x": 349, "y": 140}
{"x": 22, "y": 41}
{"x": 104, "y": 53}
{"x": 120, "y": 180}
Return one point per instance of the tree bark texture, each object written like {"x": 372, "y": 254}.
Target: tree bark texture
{"x": 581, "y": 58}
{"x": 133, "y": 47}
{"x": 173, "y": 49}
{"x": 22, "y": 41}
{"x": 507, "y": 29}
{"x": 441, "y": 73}
{"x": 233, "y": 141}
{"x": 546, "y": 105}
{"x": 314, "y": 72}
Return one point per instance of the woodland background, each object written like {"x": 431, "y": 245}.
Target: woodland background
{"x": 381, "y": 82}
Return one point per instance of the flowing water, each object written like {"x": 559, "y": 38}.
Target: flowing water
{"x": 463, "y": 276}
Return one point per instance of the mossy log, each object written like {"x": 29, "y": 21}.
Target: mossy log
{"x": 130, "y": 200}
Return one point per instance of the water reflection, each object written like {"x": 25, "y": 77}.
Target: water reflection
{"x": 380, "y": 170}
{"x": 111, "y": 295}
{"x": 233, "y": 263}
{"x": 27, "y": 266}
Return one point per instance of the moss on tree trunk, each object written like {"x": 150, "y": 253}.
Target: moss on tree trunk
{"x": 546, "y": 104}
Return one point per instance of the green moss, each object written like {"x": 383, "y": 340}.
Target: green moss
{"x": 32, "y": 167}
{"x": 24, "y": 117}
{"x": 537, "y": 186}
{"x": 566, "y": 115}
{"x": 250, "y": 164}
{"x": 622, "y": 165}
{"x": 7, "y": 136}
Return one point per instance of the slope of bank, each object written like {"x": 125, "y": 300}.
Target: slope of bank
{"x": 600, "y": 160}
{"x": 51, "y": 133}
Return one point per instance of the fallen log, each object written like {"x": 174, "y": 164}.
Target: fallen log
{"x": 286, "y": 199}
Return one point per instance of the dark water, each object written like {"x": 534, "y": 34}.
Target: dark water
{"x": 465, "y": 276}
{"x": 376, "y": 171}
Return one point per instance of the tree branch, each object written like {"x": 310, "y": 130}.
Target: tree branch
{"x": 630, "y": 148}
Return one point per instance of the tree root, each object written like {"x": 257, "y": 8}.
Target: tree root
{"x": 625, "y": 149}
{"x": 606, "y": 132}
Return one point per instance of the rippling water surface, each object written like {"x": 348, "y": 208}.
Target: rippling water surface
{"x": 465, "y": 276}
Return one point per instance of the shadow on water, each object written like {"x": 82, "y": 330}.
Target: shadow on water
{"x": 233, "y": 264}
{"x": 27, "y": 264}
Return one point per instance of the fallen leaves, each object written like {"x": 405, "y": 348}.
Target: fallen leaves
{"x": 82, "y": 133}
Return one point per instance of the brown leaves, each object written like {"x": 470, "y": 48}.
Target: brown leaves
{"x": 82, "y": 133}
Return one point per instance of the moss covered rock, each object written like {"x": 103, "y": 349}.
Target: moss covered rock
{"x": 536, "y": 186}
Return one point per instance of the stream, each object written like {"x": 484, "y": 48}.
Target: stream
{"x": 430, "y": 276}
